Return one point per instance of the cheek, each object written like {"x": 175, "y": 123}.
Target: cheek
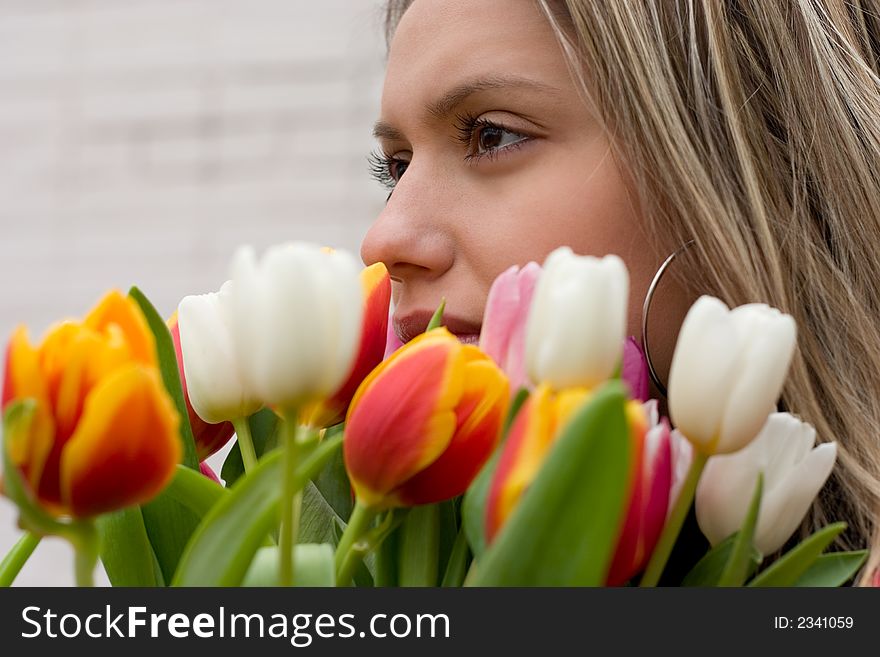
{"x": 577, "y": 197}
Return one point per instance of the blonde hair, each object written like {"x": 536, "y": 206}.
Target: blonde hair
{"x": 753, "y": 127}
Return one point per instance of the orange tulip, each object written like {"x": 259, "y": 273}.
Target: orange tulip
{"x": 424, "y": 422}
{"x": 376, "y": 285}
{"x": 209, "y": 438}
{"x": 104, "y": 434}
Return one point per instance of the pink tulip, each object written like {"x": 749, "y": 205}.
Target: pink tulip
{"x": 504, "y": 321}
{"x": 649, "y": 502}
{"x": 635, "y": 369}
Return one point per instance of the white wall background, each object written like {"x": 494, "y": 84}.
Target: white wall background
{"x": 142, "y": 140}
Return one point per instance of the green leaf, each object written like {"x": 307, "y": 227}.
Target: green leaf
{"x": 418, "y": 558}
{"x": 264, "y": 432}
{"x": 736, "y": 569}
{"x": 565, "y": 527}
{"x": 788, "y": 568}
{"x": 221, "y": 550}
{"x": 170, "y": 526}
{"x": 386, "y": 561}
{"x": 834, "y": 569}
{"x": 437, "y": 318}
{"x": 170, "y": 374}
{"x": 318, "y": 521}
{"x": 518, "y": 400}
{"x": 456, "y": 568}
{"x": 17, "y": 557}
{"x": 707, "y": 571}
{"x": 313, "y": 566}
{"x": 126, "y": 551}
{"x": 473, "y": 508}
{"x": 194, "y": 490}
{"x": 333, "y": 481}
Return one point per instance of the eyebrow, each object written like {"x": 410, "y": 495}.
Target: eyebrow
{"x": 444, "y": 105}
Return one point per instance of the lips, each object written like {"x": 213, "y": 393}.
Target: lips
{"x": 413, "y": 324}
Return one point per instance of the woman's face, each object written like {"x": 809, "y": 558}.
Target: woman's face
{"x": 494, "y": 160}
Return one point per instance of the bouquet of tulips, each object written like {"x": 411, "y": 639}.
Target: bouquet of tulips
{"x": 535, "y": 458}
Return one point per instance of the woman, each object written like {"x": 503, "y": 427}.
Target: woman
{"x": 509, "y": 127}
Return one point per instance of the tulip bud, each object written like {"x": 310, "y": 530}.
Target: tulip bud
{"x": 794, "y": 472}
{"x": 211, "y": 366}
{"x": 541, "y": 420}
{"x": 537, "y": 424}
{"x": 577, "y": 321}
{"x": 504, "y": 321}
{"x": 376, "y": 284}
{"x": 649, "y": 500}
{"x": 104, "y": 433}
{"x": 209, "y": 438}
{"x": 424, "y": 422}
{"x": 727, "y": 372}
{"x": 297, "y": 316}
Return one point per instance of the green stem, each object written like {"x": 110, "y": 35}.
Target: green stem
{"x": 84, "y": 539}
{"x": 347, "y": 559}
{"x": 299, "y": 441}
{"x": 674, "y": 523}
{"x": 245, "y": 443}
{"x": 16, "y": 558}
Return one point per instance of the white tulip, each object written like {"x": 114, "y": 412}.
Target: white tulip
{"x": 727, "y": 372}
{"x": 297, "y": 317}
{"x": 794, "y": 472}
{"x": 577, "y": 321}
{"x": 216, "y": 389}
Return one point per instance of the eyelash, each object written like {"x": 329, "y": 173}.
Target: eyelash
{"x": 380, "y": 168}
{"x": 466, "y": 126}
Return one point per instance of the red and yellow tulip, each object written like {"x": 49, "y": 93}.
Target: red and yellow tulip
{"x": 104, "y": 434}
{"x": 424, "y": 422}
{"x": 376, "y": 285}
{"x": 531, "y": 436}
{"x": 537, "y": 426}
{"x": 649, "y": 503}
{"x": 209, "y": 438}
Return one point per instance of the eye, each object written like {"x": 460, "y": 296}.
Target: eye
{"x": 387, "y": 169}
{"x": 486, "y": 138}
{"x": 493, "y": 137}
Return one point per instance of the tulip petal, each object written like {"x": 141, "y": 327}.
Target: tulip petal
{"x": 297, "y": 321}
{"x": 376, "y": 284}
{"x": 702, "y": 371}
{"x": 577, "y": 323}
{"x": 793, "y": 475}
{"x": 214, "y": 383}
{"x": 122, "y": 312}
{"x": 403, "y": 415}
{"x": 22, "y": 377}
{"x": 209, "y": 438}
{"x": 785, "y": 505}
{"x": 126, "y": 446}
{"x": 770, "y": 341}
{"x": 479, "y": 416}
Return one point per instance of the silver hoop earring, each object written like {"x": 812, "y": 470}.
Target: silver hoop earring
{"x": 647, "y": 307}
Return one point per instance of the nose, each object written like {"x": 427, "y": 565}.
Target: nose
{"x": 412, "y": 234}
